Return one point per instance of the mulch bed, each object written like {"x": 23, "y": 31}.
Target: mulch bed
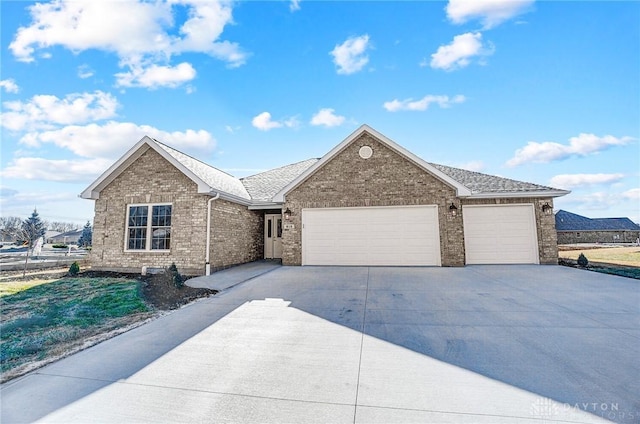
{"x": 158, "y": 289}
{"x": 613, "y": 269}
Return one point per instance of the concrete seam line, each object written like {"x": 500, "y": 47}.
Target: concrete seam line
{"x": 364, "y": 320}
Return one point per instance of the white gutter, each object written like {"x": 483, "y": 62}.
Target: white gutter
{"x": 207, "y": 265}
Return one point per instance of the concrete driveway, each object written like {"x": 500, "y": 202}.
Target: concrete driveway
{"x": 490, "y": 344}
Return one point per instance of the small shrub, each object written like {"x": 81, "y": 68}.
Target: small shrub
{"x": 583, "y": 261}
{"x": 74, "y": 269}
{"x": 177, "y": 279}
{"x": 60, "y": 246}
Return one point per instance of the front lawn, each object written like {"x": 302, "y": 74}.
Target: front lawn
{"x": 44, "y": 320}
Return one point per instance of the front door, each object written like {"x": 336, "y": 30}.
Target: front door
{"x": 273, "y": 236}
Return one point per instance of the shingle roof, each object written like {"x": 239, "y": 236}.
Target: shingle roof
{"x": 567, "y": 221}
{"x": 484, "y": 183}
{"x": 217, "y": 179}
{"x": 263, "y": 186}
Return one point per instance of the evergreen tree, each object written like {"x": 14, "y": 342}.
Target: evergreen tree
{"x": 87, "y": 235}
{"x": 32, "y": 229}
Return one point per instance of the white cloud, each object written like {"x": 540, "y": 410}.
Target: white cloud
{"x": 143, "y": 34}
{"x": 112, "y": 139}
{"x": 155, "y": 76}
{"x": 582, "y": 145}
{"x": 327, "y": 117}
{"x": 45, "y": 111}
{"x": 633, "y": 194}
{"x": 490, "y": 12}
{"x": 581, "y": 180}
{"x": 9, "y": 85}
{"x": 350, "y": 56}
{"x": 85, "y": 71}
{"x": 294, "y": 5}
{"x": 55, "y": 170}
{"x": 263, "y": 122}
{"x": 460, "y": 51}
{"x": 423, "y": 104}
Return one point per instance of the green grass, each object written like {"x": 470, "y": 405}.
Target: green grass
{"x": 45, "y": 319}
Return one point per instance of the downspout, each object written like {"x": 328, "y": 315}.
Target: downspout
{"x": 207, "y": 265}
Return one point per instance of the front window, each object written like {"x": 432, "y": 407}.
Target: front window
{"x": 149, "y": 227}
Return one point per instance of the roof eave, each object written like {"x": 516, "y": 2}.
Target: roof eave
{"x": 514, "y": 194}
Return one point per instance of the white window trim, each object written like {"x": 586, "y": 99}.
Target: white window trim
{"x": 149, "y": 232}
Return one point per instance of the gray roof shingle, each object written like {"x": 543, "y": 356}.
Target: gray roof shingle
{"x": 263, "y": 186}
{"x": 484, "y": 183}
{"x": 217, "y": 179}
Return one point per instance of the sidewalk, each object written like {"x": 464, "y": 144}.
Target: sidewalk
{"x": 230, "y": 277}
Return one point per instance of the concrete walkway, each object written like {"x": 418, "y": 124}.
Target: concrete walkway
{"x": 492, "y": 344}
{"x": 227, "y": 278}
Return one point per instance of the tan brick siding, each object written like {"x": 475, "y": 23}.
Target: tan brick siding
{"x": 152, "y": 179}
{"x": 385, "y": 179}
{"x": 237, "y": 235}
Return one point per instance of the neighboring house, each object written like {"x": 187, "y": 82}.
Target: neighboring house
{"x": 69, "y": 237}
{"x": 368, "y": 201}
{"x": 574, "y": 229}
{"x": 49, "y": 235}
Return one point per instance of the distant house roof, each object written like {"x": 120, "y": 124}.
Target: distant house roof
{"x": 68, "y": 237}
{"x": 567, "y": 221}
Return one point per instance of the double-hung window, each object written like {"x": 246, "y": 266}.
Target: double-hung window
{"x": 148, "y": 227}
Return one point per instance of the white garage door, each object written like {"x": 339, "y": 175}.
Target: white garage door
{"x": 371, "y": 236}
{"x": 504, "y": 234}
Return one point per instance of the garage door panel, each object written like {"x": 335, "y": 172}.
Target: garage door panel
{"x": 500, "y": 234}
{"x": 371, "y": 236}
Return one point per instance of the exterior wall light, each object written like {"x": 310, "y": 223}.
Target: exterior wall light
{"x": 547, "y": 208}
{"x": 453, "y": 209}
{"x": 287, "y": 214}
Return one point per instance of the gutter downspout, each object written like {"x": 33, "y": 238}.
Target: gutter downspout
{"x": 207, "y": 265}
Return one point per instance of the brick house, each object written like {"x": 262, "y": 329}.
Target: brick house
{"x": 574, "y": 229}
{"x": 368, "y": 201}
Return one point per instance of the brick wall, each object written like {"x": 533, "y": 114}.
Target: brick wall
{"x": 237, "y": 235}
{"x": 385, "y": 179}
{"x": 152, "y": 179}
{"x": 575, "y": 237}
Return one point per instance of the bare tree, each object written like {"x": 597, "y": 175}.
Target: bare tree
{"x": 62, "y": 227}
{"x": 9, "y": 227}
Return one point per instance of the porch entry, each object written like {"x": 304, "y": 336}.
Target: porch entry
{"x": 273, "y": 236}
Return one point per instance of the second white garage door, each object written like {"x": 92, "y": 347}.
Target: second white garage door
{"x": 383, "y": 236}
{"x": 500, "y": 234}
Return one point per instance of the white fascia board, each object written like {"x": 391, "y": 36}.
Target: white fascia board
{"x": 93, "y": 191}
{"x": 512, "y": 194}
{"x": 461, "y": 190}
{"x": 263, "y": 206}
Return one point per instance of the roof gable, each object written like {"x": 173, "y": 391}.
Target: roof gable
{"x": 207, "y": 178}
{"x": 460, "y": 189}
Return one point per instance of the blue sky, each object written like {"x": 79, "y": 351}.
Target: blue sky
{"x": 539, "y": 91}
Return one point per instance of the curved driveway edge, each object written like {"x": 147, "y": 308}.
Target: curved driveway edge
{"x": 353, "y": 345}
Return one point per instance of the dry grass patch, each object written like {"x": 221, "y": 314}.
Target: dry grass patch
{"x": 43, "y": 320}
{"x": 628, "y": 256}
